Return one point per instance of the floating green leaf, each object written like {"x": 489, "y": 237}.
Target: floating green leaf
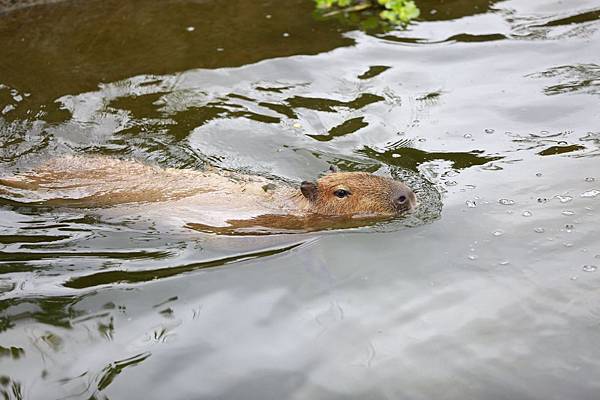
{"x": 396, "y": 12}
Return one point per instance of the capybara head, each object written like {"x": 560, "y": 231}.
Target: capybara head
{"x": 351, "y": 193}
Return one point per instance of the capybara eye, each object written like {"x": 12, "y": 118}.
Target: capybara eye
{"x": 401, "y": 199}
{"x": 341, "y": 193}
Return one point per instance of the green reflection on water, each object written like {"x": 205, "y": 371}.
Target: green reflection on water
{"x": 410, "y": 158}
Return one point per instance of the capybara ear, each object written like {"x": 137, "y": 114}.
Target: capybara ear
{"x": 309, "y": 190}
{"x": 332, "y": 169}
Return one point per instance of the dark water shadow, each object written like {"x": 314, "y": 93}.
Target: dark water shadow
{"x": 586, "y": 16}
{"x": 554, "y": 150}
{"x": 577, "y": 78}
{"x": 411, "y": 158}
{"x": 114, "y": 277}
{"x": 81, "y": 44}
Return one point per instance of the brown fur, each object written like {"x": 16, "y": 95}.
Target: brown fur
{"x": 368, "y": 194}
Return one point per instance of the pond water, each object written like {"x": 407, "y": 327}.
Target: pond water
{"x": 493, "y": 295}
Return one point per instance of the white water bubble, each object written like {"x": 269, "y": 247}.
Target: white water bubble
{"x": 471, "y": 203}
{"x": 568, "y": 212}
{"x": 489, "y": 130}
{"x": 396, "y": 155}
{"x": 472, "y": 257}
{"x": 467, "y": 136}
{"x": 506, "y": 202}
{"x": 498, "y": 232}
{"x": 190, "y": 29}
{"x": 8, "y": 109}
{"x": 589, "y": 268}
{"x": 505, "y": 262}
{"x": 563, "y": 199}
{"x": 285, "y": 34}
{"x": 590, "y": 179}
{"x": 538, "y": 174}
{"x": 568, "y": 244}
{"x": 527, "y": 213}
{"x": 450, "y": 183}
{"x": 539, "y": 230}
{"x": 542, "y": 200}
{"x": 590, "y": 193}
{"x": 569, "y": 227}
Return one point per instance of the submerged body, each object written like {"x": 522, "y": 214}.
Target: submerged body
{"x": 205, "y": 198}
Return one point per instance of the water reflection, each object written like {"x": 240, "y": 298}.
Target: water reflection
{"x": 584, "y": 78}
{"x": 482, "y": 98}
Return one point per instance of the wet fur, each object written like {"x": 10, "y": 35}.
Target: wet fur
{"x": 103, "y": 182}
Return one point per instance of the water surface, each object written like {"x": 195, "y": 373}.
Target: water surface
{"x": 494, "y": 296}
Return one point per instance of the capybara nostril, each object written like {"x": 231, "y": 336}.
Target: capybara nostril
{"x": 405, "y": 201}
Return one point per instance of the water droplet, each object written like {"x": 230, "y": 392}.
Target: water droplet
{"x": 563, "y": 199}
{"x": 590, "y": 179}
{"x": 472, "y": 257}
{"x": 539, "y": 230}
{"x": 471, "y": 203}
{"x": 467, "y": 136}
{"x": 505, "y": 262}
{"x": 422, "y": 139}
{"x": 569, "y": 227}
{"x": 573, "y": 278}
{"x": 285, "y": 34}
{"x": 396, "y": 155}
{"x": 297, "y": 125}
{"x": 568, "y": 212}
{"x": 190, "y": 29}
{"x": 489, "y": 130}
{"x": 589, "y": 268}
{"x": 220, "y": 49}
{"x": 268, "y": 16}
{"x": 590, "y": 193}
{"x": 538, "y": 174}
{"x": 542, "y": 200}
{"x": 568, "y": 244}
{"x": 450, "y": 183}
{"x": 449, "y": 174}
{"x": 498, "y": 233}
{"x": 506, "y": 202}
{"x": 492, "y": 167}
{"x": 527, "y": 213}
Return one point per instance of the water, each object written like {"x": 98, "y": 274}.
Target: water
{"x": 436, "y": 307}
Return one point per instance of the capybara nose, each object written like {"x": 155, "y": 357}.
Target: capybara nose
{"x": 405, "y": 201}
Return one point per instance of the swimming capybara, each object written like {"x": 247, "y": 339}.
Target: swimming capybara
{"x": 213, "y": 197}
